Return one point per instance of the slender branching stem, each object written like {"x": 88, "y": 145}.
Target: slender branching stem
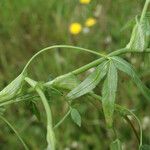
{"x": 121, "y": 109}
{"x": 133, "y": 128}
{"x": 61, "y": 46}
{"x": 144, "y": 10}
{"x": 62, "y": 120}
{"x": 15, "y": 131}
{"x": 50, "y": 132}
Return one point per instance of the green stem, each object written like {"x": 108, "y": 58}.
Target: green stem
{"x": 50, "y": 132}
{"x": 61, "y": 46}
{"x": 90, "y": 65}
{"x": 144, "y": 10}
{"x": 122, "y": 109}
{"x": 133, "y": 128}
{"x": 19, "y": 137}
{"x": 136, "y": 118}
{"x": 98, "y": 61}
{"x": 62, "y": 120}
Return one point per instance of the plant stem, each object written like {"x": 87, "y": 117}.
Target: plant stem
{"x": 61, "y": 121}
{"x": 50, "y": 132}
{"x": 98, "y": 61}
{"x": 144, "y": 10}
{"x": 60, "y": 46}
{"x": 133, "y": 128}
{"x": 121, "y": 109}
{"x": 17, "y": 134}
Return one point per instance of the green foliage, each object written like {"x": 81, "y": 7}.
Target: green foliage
{"x": 140, "y": 35}
{"x": 90, "y": 82}
{"x": 109, "y": 93}
{"x": 68, "y": 82}
{"x": 34, "y": 109}
{"x": 124, "y": 66}
{"x": 12, "y": 89}
{"x": 76, "y": 117}
{"x": 106, "y": 67}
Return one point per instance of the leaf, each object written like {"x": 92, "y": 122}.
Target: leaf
{"x": 34, "y": 109}
{"x": 116, "y": 145}
{"x": 145, "y": 147}
{"x": 124, "y": 66}
{"x": 90, "y": 82}
{"x": 75, "y": 115}
{"x": 140, "y": 36}
{"x": 12, "y": 89}
{"x": 109, "y": 94}
{"x": 68, "y": 82}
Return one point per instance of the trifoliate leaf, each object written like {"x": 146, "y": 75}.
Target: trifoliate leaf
{"x": 12, "y": 89}
{"x": 124, "y": 66}
{"x": 75, "y": 115}
{"x": 116, "y": 145}
{"x": 90, "y": 82}
{"x": 109, "y": 94}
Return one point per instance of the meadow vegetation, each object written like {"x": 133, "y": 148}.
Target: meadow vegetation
{"x": 89, "y": 90}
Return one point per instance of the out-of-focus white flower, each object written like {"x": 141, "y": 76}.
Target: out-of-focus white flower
{"x": 86, "y": 30}
{"x": 146, "y": 122}
{"x": 108, "y": 40}
{"x": 74, "y": 144}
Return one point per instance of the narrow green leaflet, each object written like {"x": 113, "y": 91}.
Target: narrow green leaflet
{"x": 68, "y": 82}
{"x": 124, "y": 66}
{"x": 11, "y": 90}
{"x": 109, "y": 94}
{"x": 76, "y": 117}
{"x": 116, "y": 145}
{"x": 90, "y": 82}
{"x": 34, "y": 109}
{"x": 140, "y": 36}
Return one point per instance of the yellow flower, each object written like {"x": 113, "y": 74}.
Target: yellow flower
{"x": 85, "y": 1}
{"x": 90, "y": 22}
{"x": 75, "y": 28}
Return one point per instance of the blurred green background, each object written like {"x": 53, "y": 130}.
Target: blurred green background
{"x": 26, "y": 26}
